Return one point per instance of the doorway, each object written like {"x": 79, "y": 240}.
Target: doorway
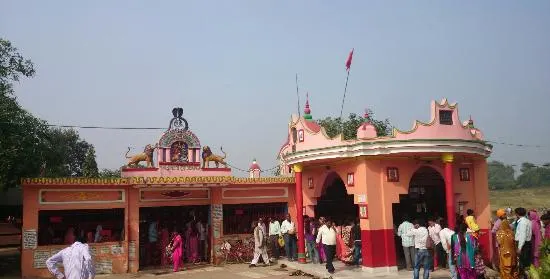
{"x": 335, "y": 203}
{"x": 425, "y": 199}
{"x": 171, "y": 218}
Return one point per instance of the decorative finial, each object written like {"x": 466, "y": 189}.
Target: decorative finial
{"x": 471, "y": 122}
{"x": 307, "y": 110}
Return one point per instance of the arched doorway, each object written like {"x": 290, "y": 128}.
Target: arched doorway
{"x": 335, "y": 203}
{"x": 425, "y": 199}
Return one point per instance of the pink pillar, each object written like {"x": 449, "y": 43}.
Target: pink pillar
{"x": 300, "y": 214}
{"x": 449, "y": 190}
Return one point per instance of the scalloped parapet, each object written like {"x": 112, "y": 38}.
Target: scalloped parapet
{"x": 444, "y": 124}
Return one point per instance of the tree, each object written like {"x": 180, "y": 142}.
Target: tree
{"x": 89, "y": 167}
{"x": 533, "y": 175}
{"x": 107, "y": 173}
{"x": 501, "y": 176}
{"x": 65, "y": 153}
{"x": 12, "y": 67}
{"x": 526, "y": 166}
{"x": 334, "y": 126}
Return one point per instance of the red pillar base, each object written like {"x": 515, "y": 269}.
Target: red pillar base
{"x": 378, "y": 249}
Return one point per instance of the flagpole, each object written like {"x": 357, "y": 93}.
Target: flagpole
{"x": 343, "y": 99}
{"x": 298, "y": 96}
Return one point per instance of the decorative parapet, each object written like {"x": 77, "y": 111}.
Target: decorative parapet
{"x": 156, "y": 180}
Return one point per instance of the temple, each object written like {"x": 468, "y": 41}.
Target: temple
{"x": 436, "y": 168}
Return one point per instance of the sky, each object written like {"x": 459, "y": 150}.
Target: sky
{"x": 231, "y": 66}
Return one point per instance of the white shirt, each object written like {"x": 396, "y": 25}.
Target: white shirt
{"x": 287, "y": 227}
{"x": 420, "y": 237}
{"x": 523, "y": 231}
{"x": 406, "y": 241}
{"x": 445, "y": 236}
{"x": 77, "y": 262}
{"x": 328, "y": 236}
{"x": 434, "y": 233}
{"x": 274, "y": 228}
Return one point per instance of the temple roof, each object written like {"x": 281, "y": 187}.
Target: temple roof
{"x": 226, "y": 180}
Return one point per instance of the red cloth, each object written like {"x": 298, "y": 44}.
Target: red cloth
{"x": 348, "y": 61}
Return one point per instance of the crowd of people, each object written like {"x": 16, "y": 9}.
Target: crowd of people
{"x": 436, "y": 245}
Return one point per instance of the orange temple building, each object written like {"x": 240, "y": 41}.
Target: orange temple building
{"x": 438, "y": 167}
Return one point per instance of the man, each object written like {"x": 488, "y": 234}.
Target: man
{"x": 288, "y": 230}
{"x": 356, "y": 234}
{"x": 523, "y": 239}
{"x": 76, "y": 259}
{"x": 445, "y": 236}
{"x": 433, "y": 230}
{"x": 260, "y": 244}
{"x": 423, "y": 257}
{"x": 327, "y": 234}
{"x": 274, "y": 234}
{"x": 153, "y": 238}
{"x": 506, "y": 248}
{"x": 201, "y": 228}
{"x": 407, "y": 241}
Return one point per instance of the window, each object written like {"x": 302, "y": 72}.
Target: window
{"x": 446, "y": 117}
{"x": 238, "y": 218}
{"x": 54, "y": 225}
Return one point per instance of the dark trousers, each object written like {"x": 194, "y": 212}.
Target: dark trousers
{"x": 290, "y": 247}
{"x": 441, "y": 255}
{"x": 202, "y": 250}
{"x": 274, "y": 241}
{"x": 423, "y": 259}
{"x": 330, "y": 250}
{"x": 356, "y": 252}
{"x": 525, "y": 257}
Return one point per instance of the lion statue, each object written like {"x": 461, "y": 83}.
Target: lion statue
{"x": 208, "y": 156}
{"x": 146, "y": 156}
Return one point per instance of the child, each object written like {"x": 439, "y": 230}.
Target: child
{"x": 470, "y": 220}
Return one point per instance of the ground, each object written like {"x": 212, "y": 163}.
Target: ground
{"x": 527, "y": 198}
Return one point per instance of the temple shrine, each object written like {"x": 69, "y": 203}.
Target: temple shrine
{"x": 438, "y": 167}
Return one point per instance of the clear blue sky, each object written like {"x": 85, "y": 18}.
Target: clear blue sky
{"x": 231, "y": 66}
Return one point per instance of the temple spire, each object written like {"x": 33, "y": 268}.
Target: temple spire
{"x": 307, "y": 110}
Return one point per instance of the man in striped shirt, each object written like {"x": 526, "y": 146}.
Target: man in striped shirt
{"x": 76, "y": 259}
{"x": 407, "y": 242}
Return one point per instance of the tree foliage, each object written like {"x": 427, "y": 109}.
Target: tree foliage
{"x": 501, "y": 176}
{"x": 89, "y": 167}
{"x": 108, "y": 173}
{"x": 28, "y": 147}
{"x": 334, "y": 126}
{"x": 534, "y": 176}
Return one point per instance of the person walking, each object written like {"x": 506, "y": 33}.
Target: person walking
{"x": 356, "y": 236}
{"x": 536, "y": 238}
{"x": 407, "y": 241}
{"x": 423, "y": 257}
{"x": 445, "y": 235}
{"x": 506, "y": 248}
{"x": 433, "y": 230}
{"x": 274, "y": 234}
{"x": 260, "y": 245}
{"x": 464, "y": 247}
{"x": 177, "y": 250}
{"x": 320, "y": 248}
{"x": 327, "y": 234}
{"x": 523, "y": 240}
{"x": 76, "y": 259}
{"x": 310, "y": 233}
{"x": 288, "y": 229}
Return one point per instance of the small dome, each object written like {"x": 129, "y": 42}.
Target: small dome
{"x": 254, "y": 166}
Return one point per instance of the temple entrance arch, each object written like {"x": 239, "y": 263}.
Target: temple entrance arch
{"x": 425, "y": 199}
{"x": 334, "y": 202}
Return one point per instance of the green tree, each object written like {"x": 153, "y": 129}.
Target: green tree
{"x": 526, "y": 166}
{"x": 501, "y": 176}
{"x": 89, "y": 167}
{"x": 12, "y": 66}
{"x": 108, "y": 173}
{"x": 65, "y": 153}
{"x": 533, "y": 175}
{"x": 334, "y": 126}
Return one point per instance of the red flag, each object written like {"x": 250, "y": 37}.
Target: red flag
{"x": 348, "y": 62}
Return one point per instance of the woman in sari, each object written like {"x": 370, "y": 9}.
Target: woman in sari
{"x": 347, "y": 244}
{"x": 177, "y": 250}
{"x": 506, "y": 250}
{"x": 193, "y": 248}
{"x": 536, "y": 238}
{"x": 464, "y": 247}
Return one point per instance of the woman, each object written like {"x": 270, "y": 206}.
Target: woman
{"x": 310, "y": 232}
{"x": 464, "y": 247}
{"x": 536, "y": 238}
{"x": 347, "y": 243}
{"x": 177, "y": 250}
{"x": 193, "y": 248}
{"x": 506, "y": 250}
{"x": 319, "y": 246}
{"x": 164, "y": 241}
{"x": 339, "y": 240}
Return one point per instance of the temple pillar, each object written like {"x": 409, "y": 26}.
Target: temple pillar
{"x": 132, "y": 232}
{"x": 448, "y": 159}
{"x": 299, "y": 213}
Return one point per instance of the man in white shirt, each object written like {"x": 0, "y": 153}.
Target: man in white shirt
{"x": 288, "y": 230}
{"x": 423, "y": 257}
{"x": 274, "y": 234}
{"x": 327, "y": 234}
{"x": 523, "y": 239}
{"x": 76, "y": 259}
{"x": 407, "y": 242}
{"x": 433, "y": 230}
{"x": 445, "y": 235}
